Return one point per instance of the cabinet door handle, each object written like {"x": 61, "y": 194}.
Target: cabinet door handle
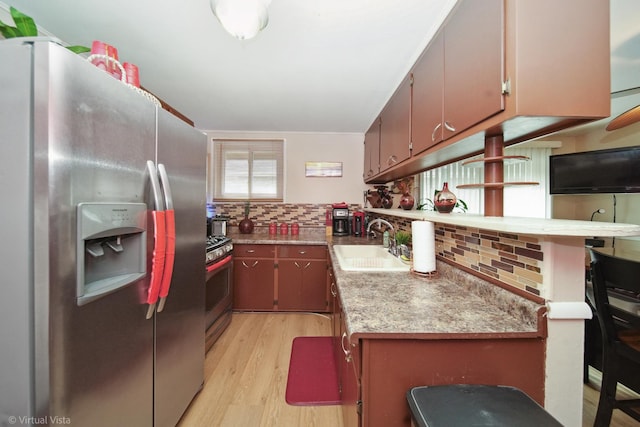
{"x": 302, "y": 252}
{"x": 433, "y": 134}
{"x": 334, "y": 293}
{"x": 347, "y": 353}
{"x": 252, "y": 265}
{"x": 250, "y": 251}
{"x": 391, "y": 160}
{"x": 298, "y": 265}
{"x": 449, "y": 127}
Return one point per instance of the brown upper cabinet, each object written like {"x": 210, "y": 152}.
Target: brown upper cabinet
{"x": 428, "y": 91}
{"x": 458, "y": 80}
{"x": 520, "y": 69}
{"x": 395, "y": 128}
{"x": 372, "y": 151}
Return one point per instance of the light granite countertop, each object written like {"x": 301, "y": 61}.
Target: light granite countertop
{"x": 518, "y": 225}
{"x": 455, "y": 305}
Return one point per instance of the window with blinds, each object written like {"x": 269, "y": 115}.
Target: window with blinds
{"x": 247, "y": 169}
{"x": 522, "y": 201}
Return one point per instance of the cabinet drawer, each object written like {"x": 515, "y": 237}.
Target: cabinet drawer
{"x": 302, "y": 251}
{"x": 254, "y": 251}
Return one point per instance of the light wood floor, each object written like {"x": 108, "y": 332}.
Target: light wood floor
{"x": 246, "y": 378}
{"x": 590, "y": 405}
{"x": 246, "y": 375}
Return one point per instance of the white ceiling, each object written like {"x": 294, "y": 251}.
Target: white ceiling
{"x": 319, "y": 66}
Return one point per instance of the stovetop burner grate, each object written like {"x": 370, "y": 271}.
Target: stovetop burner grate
{"x": 217, "y": 247}
{"x": 216, "y": 241}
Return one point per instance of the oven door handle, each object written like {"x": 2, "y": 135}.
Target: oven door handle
{"x": 219, "y": 264}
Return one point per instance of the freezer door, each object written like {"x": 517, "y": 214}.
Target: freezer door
{"x": 92, "y": 138}
{"x": 179, "y": 357}
{"x": 16, "y": 229}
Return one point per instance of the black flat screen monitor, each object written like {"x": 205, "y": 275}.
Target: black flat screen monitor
{"x": 603, "y": 171}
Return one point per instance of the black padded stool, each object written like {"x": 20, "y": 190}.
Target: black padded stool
{"x": 464, "y": 405}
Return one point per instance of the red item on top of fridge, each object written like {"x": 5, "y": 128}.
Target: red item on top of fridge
{"x": 108, "y": 59}
{"x": 132, "y": 73}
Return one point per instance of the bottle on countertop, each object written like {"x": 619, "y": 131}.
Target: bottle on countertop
{"x": 328, "y": 223}
{"x": 385, "y": 238}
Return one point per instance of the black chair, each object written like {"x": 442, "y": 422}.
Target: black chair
{"x": 620, "y": 331}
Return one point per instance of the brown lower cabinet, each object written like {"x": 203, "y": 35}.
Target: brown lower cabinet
{"x": 280, "y": 278}
{"x": 253, "y": 277}
{"x": 347, "y": 357}
{"x": 376, "y": 371}
{"x": 391, "y": 367}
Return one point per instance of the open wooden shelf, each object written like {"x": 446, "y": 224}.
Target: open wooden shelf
{"x": 496, "y": 184}
{"x": 505, "y": 159}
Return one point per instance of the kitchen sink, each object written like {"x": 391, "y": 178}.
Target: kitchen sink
{"x": 368, "y": 258}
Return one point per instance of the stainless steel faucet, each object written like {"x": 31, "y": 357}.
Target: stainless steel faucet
{"x": 392, "y": 239}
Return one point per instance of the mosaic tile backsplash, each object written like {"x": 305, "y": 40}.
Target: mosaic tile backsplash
{"x": 513, "y": 259}
{"x": 262, "y": 214}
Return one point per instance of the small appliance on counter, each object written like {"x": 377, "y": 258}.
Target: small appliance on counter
{"x": 340, "y": 219}
{"x": 357, "y": 227}
{"x": 217, "y": 225}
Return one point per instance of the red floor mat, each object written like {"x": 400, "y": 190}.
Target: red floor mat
{"x": 313, "y": 376}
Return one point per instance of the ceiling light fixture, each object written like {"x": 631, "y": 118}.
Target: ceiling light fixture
{"x": 243, "y": 19}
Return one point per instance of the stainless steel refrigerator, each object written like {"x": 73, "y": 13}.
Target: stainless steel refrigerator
{"x": 87, "y": 170}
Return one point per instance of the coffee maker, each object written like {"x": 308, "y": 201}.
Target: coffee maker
{"x": 340, "y": 219}
{"x": 358, "y": 224}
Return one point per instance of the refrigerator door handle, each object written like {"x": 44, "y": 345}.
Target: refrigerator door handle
{"x": 166, "y": 187}
{"x": 170, "y": 235}
{"x": 159, "y": 237}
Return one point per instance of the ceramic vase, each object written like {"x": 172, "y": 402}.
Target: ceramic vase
{"x": 387, "y": 201}
{"x": 246, "y": 225}
{"x": 407, "y": 201}
{"x": 445, "y": 200}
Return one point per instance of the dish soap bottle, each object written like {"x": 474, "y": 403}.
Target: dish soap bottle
{"x": 385, "y": 238}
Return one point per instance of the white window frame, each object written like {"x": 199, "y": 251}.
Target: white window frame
{"x": 221, "y": 149}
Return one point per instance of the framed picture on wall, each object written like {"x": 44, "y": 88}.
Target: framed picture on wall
{"x": 323, "y": 169}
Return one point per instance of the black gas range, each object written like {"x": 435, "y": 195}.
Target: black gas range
{"x": 218, "y": 287}
{"x": 217, "y": 248}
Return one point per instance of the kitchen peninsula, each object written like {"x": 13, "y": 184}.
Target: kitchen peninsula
{"x": 542, "y": 259}
{"x": 408, "y": 308}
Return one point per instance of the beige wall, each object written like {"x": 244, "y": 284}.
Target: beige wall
{"x": 582, "y": 206}
{"x": 302, "y": 147}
